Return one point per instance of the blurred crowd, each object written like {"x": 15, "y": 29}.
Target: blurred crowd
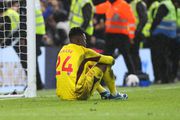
{"x": 55, "y": 13}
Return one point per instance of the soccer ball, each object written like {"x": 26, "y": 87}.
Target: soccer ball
{"x": 132, "y": 80}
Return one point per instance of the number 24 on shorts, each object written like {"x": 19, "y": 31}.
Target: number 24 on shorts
{"x": 65, "y": 67}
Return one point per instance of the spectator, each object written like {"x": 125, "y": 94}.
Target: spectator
{"x": 5, "y": 27}
{"x": 81, "y": 15}
{"x": 175, "y": 46}
{"x": 62, "y": 28}
{"x": 66, "y": 5}
{"x": 98, "y": 38}
{"x": 163, "y": 31}
{"x": 99, "y": 26}
{"x": 46, "y": 9}
{"x": 40, "y": 31}
{"x": 13, "y": 36}
{"x": 140, "y": 12}
{"x": 51, "y": 11}
{"x": 152, "y": 6}
{"x": 119, "y": 28}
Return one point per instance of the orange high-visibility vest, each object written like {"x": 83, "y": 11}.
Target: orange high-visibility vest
{"x": 119, "y": 17}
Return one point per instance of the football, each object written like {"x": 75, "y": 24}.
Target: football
{"x": 132, "y": 80}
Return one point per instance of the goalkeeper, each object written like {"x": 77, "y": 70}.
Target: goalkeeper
{"x": 79, "y": 71}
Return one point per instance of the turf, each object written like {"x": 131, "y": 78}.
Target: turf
{"x": 157, "y": 102}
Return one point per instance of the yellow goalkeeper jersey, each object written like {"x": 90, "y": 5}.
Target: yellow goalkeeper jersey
{"x": 70, "y": 67}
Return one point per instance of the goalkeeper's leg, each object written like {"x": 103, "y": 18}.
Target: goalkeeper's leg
{"x": 93, "y": 79}
{"x": 109, "y": 79}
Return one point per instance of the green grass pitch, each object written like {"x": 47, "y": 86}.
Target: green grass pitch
{"x": 157, "y": 102}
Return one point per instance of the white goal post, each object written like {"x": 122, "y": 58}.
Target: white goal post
{"x": 17, "y": 80}
{"x": 31, "y": 49}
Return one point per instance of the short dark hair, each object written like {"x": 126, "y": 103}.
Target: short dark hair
{"x": 76, "y": 31}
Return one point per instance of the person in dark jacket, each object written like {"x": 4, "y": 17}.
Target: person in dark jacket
{"x": 140, "y": 12}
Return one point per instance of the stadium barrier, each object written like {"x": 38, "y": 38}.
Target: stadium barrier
{"x": 47, "y": 63}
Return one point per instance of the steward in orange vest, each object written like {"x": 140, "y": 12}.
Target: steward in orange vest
{"x": 119, "y": 17}
{"x": 119, "y": 28}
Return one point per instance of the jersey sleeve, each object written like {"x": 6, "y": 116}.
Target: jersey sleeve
{"x": 99, "y": 57}
{"x": 106, "y": 60}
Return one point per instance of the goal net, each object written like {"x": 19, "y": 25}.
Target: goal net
{"x": 17, "y": 49}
